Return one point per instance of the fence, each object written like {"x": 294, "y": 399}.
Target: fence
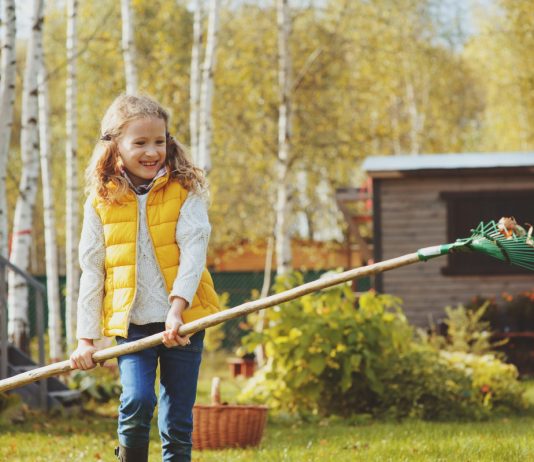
{"x": 37, "y": 292}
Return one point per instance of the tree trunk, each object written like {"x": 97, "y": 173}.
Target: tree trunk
{"x": 7, "y": 101}
{"x": 194, "y": 97}
{"x": 128, "y": 47}
{"x": 71, "y": 153}
{"x": 261, "y": 324}
{"x": 414, "y": 118}
{"x": 29, "y": 144}
{"x": 396, "y": 145}
{"x": 206, "y": 91}
{"x": 55, "y": 336}
{"x": 282, "y": 229}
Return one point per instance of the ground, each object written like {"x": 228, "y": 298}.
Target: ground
{"x": 91, "y": 436}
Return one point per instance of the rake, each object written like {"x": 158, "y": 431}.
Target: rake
{"x": 509, "y": 243}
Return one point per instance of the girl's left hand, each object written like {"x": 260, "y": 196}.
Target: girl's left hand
{"x": 172, "y": 324}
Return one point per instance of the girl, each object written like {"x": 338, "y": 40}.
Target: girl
{"x": 142, "y": 254}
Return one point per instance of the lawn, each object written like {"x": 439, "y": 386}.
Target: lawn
{"x": 90, "y": 436}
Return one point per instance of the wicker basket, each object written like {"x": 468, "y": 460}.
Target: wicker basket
{"x": 219, "y": 426}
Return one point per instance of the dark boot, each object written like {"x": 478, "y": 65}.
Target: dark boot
{"x": 125, "y": 454}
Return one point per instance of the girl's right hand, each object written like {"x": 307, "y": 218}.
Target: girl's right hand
{"x": 82, "y": 356}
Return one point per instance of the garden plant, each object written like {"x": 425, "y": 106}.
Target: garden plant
{"x": 330, "y": 354}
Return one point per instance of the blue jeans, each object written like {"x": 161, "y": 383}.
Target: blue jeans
{"x": 179, "y": 368}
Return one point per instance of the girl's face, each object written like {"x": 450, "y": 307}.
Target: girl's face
{"x": 142, "y": 147}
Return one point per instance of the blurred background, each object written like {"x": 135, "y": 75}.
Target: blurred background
{"x": 380, "y": 77}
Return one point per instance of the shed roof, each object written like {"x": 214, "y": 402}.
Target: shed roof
{"x": 425, "y": 162}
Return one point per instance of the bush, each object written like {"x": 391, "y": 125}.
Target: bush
{"x": 99, "y": 384}
{"x": 328, "y": 356}
{"x": 442, "y": 385}
{"x": 509, "y": 313}
{"x": 492, "y": 381}
{"x": 466, "y": 330}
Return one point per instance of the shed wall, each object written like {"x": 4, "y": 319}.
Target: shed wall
{"x": 412, "y": 215}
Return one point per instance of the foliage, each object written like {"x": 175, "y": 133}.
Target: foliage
{"x": 369, "y": 77}
{"x": 466, "y": 331}
{"x": 499, "y": 55}
{"x": 440, "y": 385}
{"x": 327, "y": 356}
{"x": 12, "y": 409}
{"x": 215, "y": 335}
{"x": 101, "y": 384}
{"x": 510, "y": 312}
{"x": 492, "y": 380}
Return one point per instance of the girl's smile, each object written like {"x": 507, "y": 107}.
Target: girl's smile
{"x": 142, "y": 147}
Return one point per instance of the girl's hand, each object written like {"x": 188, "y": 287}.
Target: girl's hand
{"x": 173, "y": 323}
{"x": 82, "y": 356}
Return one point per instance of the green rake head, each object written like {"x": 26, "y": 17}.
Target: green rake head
{"x": 516, "y": 248}
{"x": 511, "y": 244}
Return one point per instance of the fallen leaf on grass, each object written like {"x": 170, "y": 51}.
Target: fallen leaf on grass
{"x": 356, "y": 446}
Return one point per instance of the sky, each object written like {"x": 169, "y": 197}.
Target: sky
{"x": 449, "y": 10}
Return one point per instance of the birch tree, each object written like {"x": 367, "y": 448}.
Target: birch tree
{"x": 206, "y": 91}
{"x": 128, "y": 47}
{"x": 51, "y": 256}
{"x": 71, "y": 154}
{"x": 195, "y": 81}
{"x": 18, "y": 325}
{"x": 7, "y": 101}
{"x": 282, "y": 229}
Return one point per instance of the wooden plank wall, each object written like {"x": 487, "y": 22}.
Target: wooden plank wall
{"x": 414, "y": 216}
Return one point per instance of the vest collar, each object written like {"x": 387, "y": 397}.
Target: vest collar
{"x": 158, "y": 183}
{"x": 144, "y": 188}
{"x": 161, "y": 181}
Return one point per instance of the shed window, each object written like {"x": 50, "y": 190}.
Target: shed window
{"x": 466, "y": 209}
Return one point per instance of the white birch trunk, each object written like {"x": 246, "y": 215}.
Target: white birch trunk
{"x": 7, "y": 101}
{"x": 71, "y": 154}
{"x": 414, "y": 118}
{"x": 128, "y": 47}
{"x": 206, "y": 91}
{"x": 18, "y": 325}
{"x": 194, "y": 96}
{"x": 52, "y": 271}
{"x": 395, "y": 126}
{"x": 259, "y": 351}
{"x": 282, "y": 229}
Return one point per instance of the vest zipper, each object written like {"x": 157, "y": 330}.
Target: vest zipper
{"x": 136, "y": 253}
{"x": 135, "y": 266}
{"x": 153, "y": 246}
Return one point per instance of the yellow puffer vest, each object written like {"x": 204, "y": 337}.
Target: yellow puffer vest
{"x": 120, "y": 223}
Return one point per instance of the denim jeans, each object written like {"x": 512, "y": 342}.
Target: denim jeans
{"x": 179, "y": 368}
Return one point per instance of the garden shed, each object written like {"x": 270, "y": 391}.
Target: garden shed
{"x": 425, "y": 200}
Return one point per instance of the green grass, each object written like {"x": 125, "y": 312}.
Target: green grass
{"x": 91, "y": 436}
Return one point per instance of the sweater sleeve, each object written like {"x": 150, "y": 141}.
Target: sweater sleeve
{"x": 192, "y": 235}
{"x": 92, "y": 253}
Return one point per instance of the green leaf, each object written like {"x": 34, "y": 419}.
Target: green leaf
{"x": 317, "y": 364}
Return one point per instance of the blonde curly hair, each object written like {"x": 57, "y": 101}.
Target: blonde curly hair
{"x": 103, "y": 176}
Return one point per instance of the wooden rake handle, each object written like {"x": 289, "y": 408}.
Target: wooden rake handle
{"x": 212, "y": 320}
